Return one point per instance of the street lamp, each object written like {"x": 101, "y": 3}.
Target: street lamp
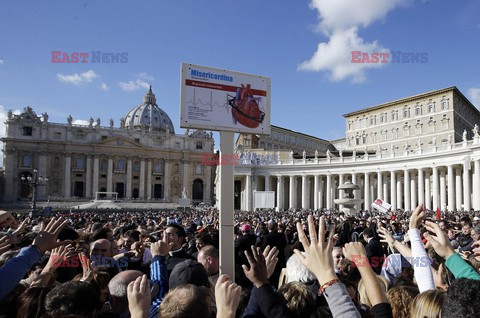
{"x": 34, "y": 181}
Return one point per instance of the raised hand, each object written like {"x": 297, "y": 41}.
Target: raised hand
{"x": 386, "y": 236}
{"x": 87, "y": 267}
{"x": 138, "y": 294}
{"x": 21, "y": 228}
{"x": 356, "y": 253}
{"x": 227, "y": 297}
{"x": 439, "y": 241}
{"x": 6, "y": 219}
{"x": 416, "y": 218}
{"x": 257, "y": 273}
{"x": 162, "y": 247}
{"x": 271, "y": 259}
{"x": 318, "y": 253}
{"x": 476, "y": 247}
{"x": 47, "y": 238}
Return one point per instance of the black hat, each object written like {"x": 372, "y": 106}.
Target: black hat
{"x": 368, "y": 232}
{"x": 189, "y": 272}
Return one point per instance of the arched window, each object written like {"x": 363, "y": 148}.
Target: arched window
{"x": 136, "y": 166}
{"x": 158, "y": 168}
{"x": 26, "y": 160}
{"x": 120, "y": 165}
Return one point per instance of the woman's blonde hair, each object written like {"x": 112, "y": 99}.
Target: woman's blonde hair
{"x": 400, "y": 298}
{"x": 428, "y": 304}
{"x": 362, "y": 290}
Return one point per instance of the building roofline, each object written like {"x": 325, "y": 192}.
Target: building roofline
{"x": 296, "y": 132}
{"x": 410, "y": 98}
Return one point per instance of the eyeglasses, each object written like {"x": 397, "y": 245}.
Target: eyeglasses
{"x": 340, "y": 256}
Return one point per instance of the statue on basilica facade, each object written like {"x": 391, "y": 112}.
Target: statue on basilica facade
{"x": 316, "y": 154}
{"x": 45, "y": 117}
{"x": 111, "y": 123}
{"x": 98, "y": 122}
{"x": 304, "y": 154}
{"x": 90, "y": 122}
{"x": 475, "y": 131}
{"x": 328, "y": 154}
{"x": 69, "y": 119}
{"x": 10, "y": 114}
{"x": 340, "y": 152}
{"x": 184, "y": 193}
{"x": 464, "y": 135}
{"x": 122, "y": 122}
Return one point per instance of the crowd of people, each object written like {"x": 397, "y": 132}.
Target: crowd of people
{"x": 287, "y": 264}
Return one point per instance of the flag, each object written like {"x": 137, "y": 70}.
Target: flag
{"x": 439, "y": 214}
{"x": 381, "y": 205}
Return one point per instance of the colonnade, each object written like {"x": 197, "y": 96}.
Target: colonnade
{"x": 448, "y": 187}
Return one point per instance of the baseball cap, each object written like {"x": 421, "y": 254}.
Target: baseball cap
{"x": 188, "y": 272}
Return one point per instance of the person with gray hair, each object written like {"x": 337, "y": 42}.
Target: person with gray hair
{"x": 117, "y": 288}
{"x": 297, "y": 272}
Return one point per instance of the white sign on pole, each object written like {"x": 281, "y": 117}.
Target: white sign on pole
{"x": 263, "y": 199}
{"x": 216, "y": 99}
{"x": 183, "y": 203}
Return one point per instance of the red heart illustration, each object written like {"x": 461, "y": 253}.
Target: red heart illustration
{"x": 245, "y": 108}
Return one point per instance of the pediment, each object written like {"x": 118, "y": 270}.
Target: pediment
{"x": 119, "y": 141}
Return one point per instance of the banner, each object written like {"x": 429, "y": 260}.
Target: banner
{"x": 263, "y": 199}
{"x": 216, "y": 99}
{"x": 381, "y": 205}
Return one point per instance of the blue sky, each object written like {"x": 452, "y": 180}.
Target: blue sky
{"x": 304, "y": 46}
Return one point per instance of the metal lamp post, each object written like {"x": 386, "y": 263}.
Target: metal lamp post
{"x": 35, "y": 181}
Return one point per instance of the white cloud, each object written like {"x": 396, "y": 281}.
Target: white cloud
{"x": 78, "y": 79}
{"x": 133, "y": 85}
{"x": 474, "y": 95}
{"x": 145, "y": 76}
{"x": 2, "y": 61}
{"x": 340, "y": 20}
{"x": 104, "y": 87}
{"x": 80, "y": 122}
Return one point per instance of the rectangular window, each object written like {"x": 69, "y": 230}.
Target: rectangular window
{"x": 198, "y": 170}
{"x": 199, "y": 145}
{"x": 27, "y": 131}
{"x": 57, "y": 135}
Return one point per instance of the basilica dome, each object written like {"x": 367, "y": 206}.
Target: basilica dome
{"x": 149, "y": 115}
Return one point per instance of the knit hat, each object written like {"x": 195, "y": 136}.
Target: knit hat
{"x": 245, "y": 228}
{"x": 188, "y": 272}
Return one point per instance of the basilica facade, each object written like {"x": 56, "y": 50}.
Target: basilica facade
{"x": 423, "y": 149}
{"x": 142, "y": 159}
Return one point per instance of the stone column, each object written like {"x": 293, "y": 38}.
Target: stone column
{"x": 379, "y": 185}
{"x": 399, "y": 192}
{"x": 421, "y": 187}
{"x": 149, "y": 180}
{"x": 340, "y": 192}
{"x": 141, "y": 190}
{"x": 329, "y": 191}
{"x": 476, "y": 189}
{"x": 406, "y": 189}
{"x": 9, "y": 168}
{"x": 280, "y": 190}
{"x": 451, "y": 189}
{"x": 208, "y": 188}
{"x": 167, "y": 180}
{"x": 304, "y": 192}
{"x": 129, "y": 178}
{"x": 267, "y": 183}
{"x": 458, "y": 188}
{"x": 42, "y": 172}
{"x": 443, "y": 191}
{"x": 385, "y": 189}
{"x": 110, "y": 175}
{"x": 248, "y": 192}
{"x": 393, "y": 190}
{"x": 96, "y": 175}
{"x": 435, "y": 188}
{"x": 466, "y": 187}
{"x": 356, "y": 193}
{"x": 67, "y": 186}
{"x": 316, "y": 188}
{"x": 186, "y": 177}
{"x": 428, "y": 192}
{"x": 291, "y": 190}
{"x": 413, "y": 192}
{"x": 88, "y": 177}
{"x": 367, "y": 191}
